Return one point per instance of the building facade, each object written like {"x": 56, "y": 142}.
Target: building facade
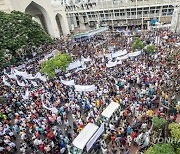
{"x": 175, "y": 23}
{"x": 50, "y": 15}
{"x": 59, "y": 17}
{"x": 121, "y": 13}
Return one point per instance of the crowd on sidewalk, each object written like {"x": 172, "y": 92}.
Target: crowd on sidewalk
{"x": 136, "y": 84}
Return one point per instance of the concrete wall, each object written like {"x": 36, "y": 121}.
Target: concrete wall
{"x": 178, "y": 24}
{"x": 175, "y": 23}
{"x": 49, "y": 12}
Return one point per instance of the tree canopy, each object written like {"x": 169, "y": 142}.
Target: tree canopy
{"x": 151, "y": 49}
{"x": 138, "y": 44}
{"x": 18, "y": 30}
{"x": 175, "y": 133}
{"x": 60, "y": 61}
{"x": 175, "y": 130}
{"x": 158, "y": 123}
{"x": 160, "y": 149}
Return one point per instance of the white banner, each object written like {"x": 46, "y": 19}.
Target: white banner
{"x": 21, "y": 84}
{"x": 21, "y": 66}
{"x": 68, "y": 83}
{"x": 40, "y": 77}
{"x": 53, "y": 109}
{"x": 133, "y": 54}
{"x": 119, "y": 53}
{"x": 95, "y": 137}
{"x": 34, "y": 83}
{"x": 81, "y": 68}
{"x": 86, "y": 59}
{"x": 24, "y": 75}
{"x": 119, "y": 62}
{"x": 5, "y": 82}
{"x": 12, "y": 76}
{"x": 85, "y": 87}
{"x": 74, "y": 65}
{"x": 111, "y": 64}
{"x": 123, "y": 57}
{"x": 68, "y": 74}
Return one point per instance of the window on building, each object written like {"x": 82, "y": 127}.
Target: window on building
{"x": 145, "y": 12}
{"x": 152, "y": 11}
{"x": 165, "y": 6}
{"x": 122, "y": 14}
{"x": 157, "y": 11}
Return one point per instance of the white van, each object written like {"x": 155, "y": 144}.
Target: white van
{"x": 84, "y": 136}
{"x": 108, "y": 112}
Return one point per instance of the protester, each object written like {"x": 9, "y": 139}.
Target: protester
{"x": 134, "y": 84}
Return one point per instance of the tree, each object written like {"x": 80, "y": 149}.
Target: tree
{"x": 18, "y": 30}
{"x": 151, "y": 49}
{"x": 60, "y": 61}
{"x": 175, "y": 133}
{"x": 138, "y": 44}
{"x": 158, "y": 123}
{"x": 160, "y": 149}
{"x": 175, "y": 130}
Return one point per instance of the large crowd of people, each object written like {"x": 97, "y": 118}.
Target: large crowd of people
{"x": 137, "y": 84}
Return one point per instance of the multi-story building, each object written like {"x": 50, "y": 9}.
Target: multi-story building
{"x": 58, "y": 16}
{"x": 121, "y": 13}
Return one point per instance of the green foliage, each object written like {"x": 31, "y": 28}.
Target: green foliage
{"x": 178, "y": 150}
{"x": 60, "y": 61}
{"x": 175, "y": 130}
{"x": 17, "y": 29}
{"x": 2, "y": 116}
{"x": 138, "y": 44}
{"x": 158, "y": 123}
{"x": 175, "y": 133}
{"x": 160, "y": 149}
{"x": 151, "y": 49}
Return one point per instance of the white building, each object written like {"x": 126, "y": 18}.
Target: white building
{"x": 58, "y": 17}
{"x": 175, "y": 23}
{"x": 51, "y": 16}
{"x": 121, "y": 13}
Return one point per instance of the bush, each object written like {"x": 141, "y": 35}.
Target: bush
{"x": 151, "y": 49}
{"x": 160, "y": 149}
{"x": 158, "y": 123}
{"x": 138, "y": 44}
{"x": 175, "y": 130}
{"x": 60, "y": 61}
{"x": 175, "y": 133}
